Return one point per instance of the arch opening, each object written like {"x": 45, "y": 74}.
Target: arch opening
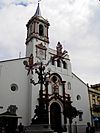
{"x": 55, "y": 116}
{"x": 41, "y": 30}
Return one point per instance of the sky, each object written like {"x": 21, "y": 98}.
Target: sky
{"x": 75, "y": 23}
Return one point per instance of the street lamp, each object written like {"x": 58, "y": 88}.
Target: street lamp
{"x": 41, "y": 110}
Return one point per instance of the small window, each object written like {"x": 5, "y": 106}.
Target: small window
{"x": 80, "y": 116}
{"x": 54, "y": 79}
{"x": 28, "y": 32}
{"x": 78, "y": 97}
{"x": 64, "y": 65}
{"x": 14, "y": 87}
{"x": 58, "y": 63}
{"x": 41, "y": 30}
{"x": 30, "y": 29}
{"x": 93, "y": 96}
{"x": 93, "y": 101}
{"x": 69, "y": 86}
{"x": 52, "y": 61}
{"x": 98, "y": 99}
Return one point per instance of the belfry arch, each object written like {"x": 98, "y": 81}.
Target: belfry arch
{"x": 41, "y": 30}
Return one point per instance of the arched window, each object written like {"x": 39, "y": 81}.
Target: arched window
{"x": 41, "y": 30}
{"x": 58, "y": 63}
{"x": 78, "y": 97}
{"x": 54, "y": 79}
{"x": 64, "y": 65}
{"x": 52, "y": 61}
{"x": 80, "y": 115}
{"x": 69, "y": 86}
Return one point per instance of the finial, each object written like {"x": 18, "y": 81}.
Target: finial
{"x": 38, "y": 12}
{"x": 39, "y": 1}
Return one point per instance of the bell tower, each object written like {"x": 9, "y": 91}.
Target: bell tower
{"x": 37, "y": 32}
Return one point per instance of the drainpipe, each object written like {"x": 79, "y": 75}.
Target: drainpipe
{"x": 90, "y": 105}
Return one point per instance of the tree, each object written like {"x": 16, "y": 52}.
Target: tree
{"x": 70, "y": 113}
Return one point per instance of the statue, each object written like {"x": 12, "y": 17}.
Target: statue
{"x": 59, "y": 49}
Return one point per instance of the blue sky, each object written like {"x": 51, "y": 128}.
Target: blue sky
{"x": 75, "y": 23}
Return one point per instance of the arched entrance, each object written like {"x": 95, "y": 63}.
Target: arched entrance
{"x": 55, "y": 116}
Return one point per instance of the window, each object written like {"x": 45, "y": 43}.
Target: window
{"x": 78, "y": 97}
{"x": 27, "y": 32}
{"x": 98, "y": 99}
{"x": 12, "y": 109}
{"x": 30, "y": 29}
{"x": 80, "y": 116}
{"x": 58, "y": 63}
{"x": 93, "y": 96}
{"x": 64, "y": 65}
{"x": 69, "y": 86}
{"x": 52, "y": 61}
{"x": 14, "y": 87}
{"x": 41, "y": 30}
{"x": 54, "y": 79}
{"x": 93, "y": 101}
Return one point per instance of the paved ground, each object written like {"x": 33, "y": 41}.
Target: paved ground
{"x": 97, "y": 131}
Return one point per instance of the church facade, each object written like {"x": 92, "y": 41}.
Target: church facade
{"x": 15, "y": 86}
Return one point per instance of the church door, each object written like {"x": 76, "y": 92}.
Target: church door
{"x": 55, "y": 116}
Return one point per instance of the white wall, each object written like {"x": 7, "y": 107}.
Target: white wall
{"x": 14, "y": 72}
{"x": 80, "y": 88}
{"x": 26, "y": 97}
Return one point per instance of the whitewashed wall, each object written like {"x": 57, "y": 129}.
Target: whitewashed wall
{"x": 80, "y": 88}
{"x": 14, "y": 72}
{"x": 26, "y": 97}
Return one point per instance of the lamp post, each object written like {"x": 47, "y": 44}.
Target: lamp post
{"x": 41, "y": 110}
{"x": 42, "y": 80}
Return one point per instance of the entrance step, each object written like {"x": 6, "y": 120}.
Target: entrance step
{"x": 38, "y": 128}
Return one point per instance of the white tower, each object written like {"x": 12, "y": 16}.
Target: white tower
{"x": 37, "y": 34}
{"x": 37, "y": 42}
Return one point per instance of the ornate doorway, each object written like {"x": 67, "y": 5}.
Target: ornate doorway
{"x": 55, "y": 116}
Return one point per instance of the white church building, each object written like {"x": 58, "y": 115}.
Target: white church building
{"x": 15, "y": 86}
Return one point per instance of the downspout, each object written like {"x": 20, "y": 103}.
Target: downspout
{"x": 90, "y": 105}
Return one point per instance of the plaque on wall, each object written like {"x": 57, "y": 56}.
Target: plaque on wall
{"x": 41, "y": 51}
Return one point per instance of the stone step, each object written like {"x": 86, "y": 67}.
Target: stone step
{"x": 37, "y": 131}
{"x": 38, "y": 128}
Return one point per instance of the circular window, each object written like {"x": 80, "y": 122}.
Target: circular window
{"x": 54, "y": 79}
{"x": 14, "y": 87}
{"x": 78, "y": 97}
